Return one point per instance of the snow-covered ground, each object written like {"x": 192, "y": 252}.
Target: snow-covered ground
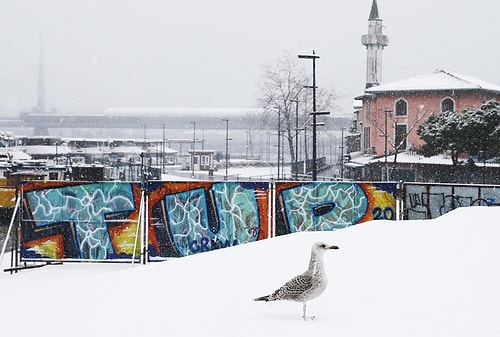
{"x": 436, "y": 277}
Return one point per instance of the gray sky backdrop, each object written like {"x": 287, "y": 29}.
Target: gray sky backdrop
{"x": 209, "y": 53}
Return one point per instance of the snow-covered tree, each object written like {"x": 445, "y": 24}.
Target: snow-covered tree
{"x": 481, "y": 129}
{"x": 443, "y": 133}
{"x": 473, "y": 132}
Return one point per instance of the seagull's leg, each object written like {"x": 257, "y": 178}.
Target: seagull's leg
{"x": 304, "y": 312}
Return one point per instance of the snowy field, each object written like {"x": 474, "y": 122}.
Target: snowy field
{"x": 414, "y": 278}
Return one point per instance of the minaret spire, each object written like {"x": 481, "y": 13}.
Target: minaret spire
{"x": 374, "y": 11}
{"x": 374, "y": 42}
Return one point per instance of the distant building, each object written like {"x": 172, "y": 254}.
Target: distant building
{"x": 202, "y": 160}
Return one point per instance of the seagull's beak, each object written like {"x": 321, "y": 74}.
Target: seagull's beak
{"x": 333, "y": 247}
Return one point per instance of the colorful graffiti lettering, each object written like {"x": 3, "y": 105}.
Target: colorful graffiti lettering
{"x": 197, "y": 218}
{"x": 89, "y": 221}
{"x": 326, "y": 206}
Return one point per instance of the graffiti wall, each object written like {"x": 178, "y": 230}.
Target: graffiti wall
{"x": 427, "y": 201}
{"x": 192, "y": 217}
{"x": 102, "y": 221}
{"x": 326, "y": 206}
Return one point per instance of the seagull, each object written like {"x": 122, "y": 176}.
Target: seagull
{"x": 307, "y": 286}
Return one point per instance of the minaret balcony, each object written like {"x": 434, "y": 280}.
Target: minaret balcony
{"x": 381, "y": 40}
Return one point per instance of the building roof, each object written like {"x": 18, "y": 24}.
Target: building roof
{"x": 437, "y": 80}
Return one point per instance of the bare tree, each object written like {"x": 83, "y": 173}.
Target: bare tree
{"x": 281, "y": 85}
{"x": 252, "y": 121}
{"x": 398, "y": 144}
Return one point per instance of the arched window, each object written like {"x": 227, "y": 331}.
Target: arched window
{"x": 401, "y": 107}
{"x": 447, "y": 104}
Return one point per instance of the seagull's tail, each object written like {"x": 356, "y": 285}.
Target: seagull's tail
{"x": 265, "y": 298}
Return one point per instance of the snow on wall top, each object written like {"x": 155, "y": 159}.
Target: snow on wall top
{"x": 437, "y": 80}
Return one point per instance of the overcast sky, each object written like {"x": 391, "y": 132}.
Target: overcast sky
{"x": 209, "y": 53}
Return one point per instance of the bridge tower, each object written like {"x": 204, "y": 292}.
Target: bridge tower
{"x": 40, "y": 103}
{"x": 375, "y": 42}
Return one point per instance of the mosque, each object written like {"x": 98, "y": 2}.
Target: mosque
{"x": 394, "y": 110}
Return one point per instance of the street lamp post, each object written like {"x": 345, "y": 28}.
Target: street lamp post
{"x": 296, "y": 164}
{"x": 342, "y": 155}
{"x": 227, "y": 145}
{"x": 145, "y": 136}
{"x": 144, "y": 169}
{"x": 279, "y": 142}
{"x": 314, "y": 113}
{"x": 193, "y": 147}
{"x": 279, "y": 138}
{"x": 163, "y": 149}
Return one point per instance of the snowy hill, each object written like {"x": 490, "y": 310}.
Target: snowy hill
{"x": 415, "y": 278}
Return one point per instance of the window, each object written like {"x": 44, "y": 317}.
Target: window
{"x": 447, "y": 104}
{"x": 368, "y": 109}
{"x": 205, "y": 160}
{"x": 400, "y": 138}
{"x": 401, "y": 107}
{"x": 53, "y": 176}
{"x": 366, "y": 137}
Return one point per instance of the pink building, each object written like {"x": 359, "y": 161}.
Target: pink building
{"x": 394, "y": 110}
{"x": 390, "y": 113}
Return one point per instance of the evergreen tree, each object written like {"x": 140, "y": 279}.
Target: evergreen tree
{"x": 475, "y": 132}
{"x": 481, "y": 129}
{"x": 443, "y": 133}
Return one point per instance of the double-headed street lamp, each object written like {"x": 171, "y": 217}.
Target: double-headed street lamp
{"x": 314, "y": 113}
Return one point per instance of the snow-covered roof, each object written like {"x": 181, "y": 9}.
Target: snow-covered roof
{"x": 180, "y": 111}
{"x": 38, "y": 150}
{"x": 360, "y": 160}
{"x": 437, "y": 80}
{"x": 14, "y": 154}
{"x": 415, "y": 158}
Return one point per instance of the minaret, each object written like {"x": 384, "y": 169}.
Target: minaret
{"x": 375, "y": 42}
